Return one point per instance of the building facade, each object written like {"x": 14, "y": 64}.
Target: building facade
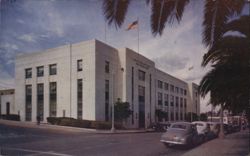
{"x": 83, "y": 80}
{"x": 7, "y": 102}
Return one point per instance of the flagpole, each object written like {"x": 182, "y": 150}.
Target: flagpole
{"x": 105, "y": 35}
{"x": 138, "y": 30}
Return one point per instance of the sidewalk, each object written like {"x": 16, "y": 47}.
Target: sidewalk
{"x": 67, "y": 128}
{"x": 236, "y": 144}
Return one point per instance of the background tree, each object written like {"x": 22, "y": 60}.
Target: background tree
{"x": 203, "y": 117}
{"x": 121, "y": 111}
{"x": 194, "y": 117}
{"x": 160, "y": 114}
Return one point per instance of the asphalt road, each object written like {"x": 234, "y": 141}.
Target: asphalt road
{"x": 37, "y": 142}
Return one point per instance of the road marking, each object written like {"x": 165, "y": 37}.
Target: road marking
{"x": 38, "y": 152}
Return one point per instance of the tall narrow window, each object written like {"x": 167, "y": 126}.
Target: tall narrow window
{"x": 132, "y": 94}
{"x": 176, "y": 101}
{"x": 79, "y": 65}
{"x": 166, "y": 99}
{"x": 52, "y": 99}
{"x": 40, "y": 100}
{"x": 177, "y": 90}
{"x": 181, "y": 102}
{"x": 185, "y": 92}
{"x": 141, "y": 75}
{"x": 166, "y": 86}
{"x": 39, "y": 71}
{"x": 52, "y": 69}
{"x": 106, "y": 66}
{"x": 159, "y": 98}
{"x": 160, "y": 84}
{"x": 28, "y": 73}
{"x": 28, "y": 102}
{"x": 172, "y": 88}
{"x": 172, "y": 100}
{"x": 79, "y": 98}
{"x": 107, "y": 100}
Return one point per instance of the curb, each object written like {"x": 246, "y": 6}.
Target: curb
{"x": 72, "y": 129}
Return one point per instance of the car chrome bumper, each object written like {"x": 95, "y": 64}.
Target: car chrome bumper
{"x": 172, "y": 142}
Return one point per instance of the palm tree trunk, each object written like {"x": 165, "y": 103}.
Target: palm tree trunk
{"x": 221, "y": 134}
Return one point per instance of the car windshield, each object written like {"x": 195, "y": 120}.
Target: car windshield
{"x": 180, "y": 126}
{"x": 199, "y": 124}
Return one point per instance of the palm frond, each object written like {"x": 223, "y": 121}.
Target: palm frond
{"x": 225, "y": 47}
{"x": 163, "y": 11}
{"x": 240, "y": 25}
{"x": 115, "y": 11}
{"x": 216, "y": 15}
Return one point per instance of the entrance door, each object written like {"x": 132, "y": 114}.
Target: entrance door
{"x": 141, "y": 99}
{"x": 7, "y": 108}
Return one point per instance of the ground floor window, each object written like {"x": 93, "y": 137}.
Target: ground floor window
{"x": 52, "y": 99}
{"x": 28, "y": 102}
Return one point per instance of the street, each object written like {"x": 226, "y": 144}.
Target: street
{"x": 31, "y": 141}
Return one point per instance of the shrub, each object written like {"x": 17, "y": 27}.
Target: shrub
{"x": 13, "y": 117}
{"x": 53, "y": 120}
{"x": 65, "y": 121}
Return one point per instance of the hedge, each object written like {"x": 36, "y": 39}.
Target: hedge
{"x": 13, "y": 117}
{"x": 65, "y": 121}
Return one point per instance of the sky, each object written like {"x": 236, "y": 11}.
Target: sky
{"x": 28, "y": 26}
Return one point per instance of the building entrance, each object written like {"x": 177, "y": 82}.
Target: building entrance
{"x": 141, "y": 98}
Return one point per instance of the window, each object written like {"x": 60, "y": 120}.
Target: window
{"x": 40, "y": 100}
{"x": 172, "y": 88}
{"x": 79, "y": 98}
{"x": 141, "y": 75}
{"x": 177, "y": 90}
{"x": 166, "y": 99}
{"x": 28, "y": 102}
{"x": 160, "y": 84}
{"x": 166, "y": 86}
{"x": 172, "y": 116}
{"x": 181, "y": 102}
{"x": 28, "y": 73}
{"x": 172, "y": 100}
{"x": 79, "y": 65}
{"x": 185, "y": 103}
{"x": 185, "y": 92}
{"x": 52, "y": 69}
{"x": 39, "y": 71}
{"x": 176, "y": 116}
{"x": 177, "y": 101}
{"x": 181, "y": 91}
{"x": 106, "y": 100}
{"x": 106, "y": 66}
{"x": 159, "y": 98}
{"x": 52, "y": 99}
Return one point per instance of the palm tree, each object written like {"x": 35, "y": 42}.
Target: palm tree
{"x": 228, "y": 81}
{"x": 216, "y": 15}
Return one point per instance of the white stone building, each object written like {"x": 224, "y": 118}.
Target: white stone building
{"x": 82, "y": 80}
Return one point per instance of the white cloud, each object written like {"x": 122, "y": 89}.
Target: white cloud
{"x": 28, "y": 38}
{"x": 9, "y": 46}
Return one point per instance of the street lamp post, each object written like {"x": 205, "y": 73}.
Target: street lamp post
{"x": 113, "y": 104}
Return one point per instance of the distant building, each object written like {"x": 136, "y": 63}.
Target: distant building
{"x": 83, "y": 80}
{"x": 7, "y": 102}
{"x": 194, "y": 99}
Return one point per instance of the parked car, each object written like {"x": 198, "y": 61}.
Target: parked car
{"x": 215, "y": 128}
{"x": 203, "y": 129}
{"x": 160, "y": 126}
{"x": 228, "y": 128}
{"x": 181, "y": 133}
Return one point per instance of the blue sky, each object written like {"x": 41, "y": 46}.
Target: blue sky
{"x": 33, "y": 25}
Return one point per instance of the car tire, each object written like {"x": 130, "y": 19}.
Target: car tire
{"x": 167, "y": 144}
